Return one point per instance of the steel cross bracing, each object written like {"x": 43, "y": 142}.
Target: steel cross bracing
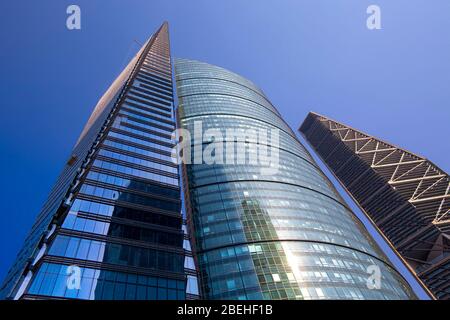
{"x": 404, "y": 195}
{"x": 412, "y": 176}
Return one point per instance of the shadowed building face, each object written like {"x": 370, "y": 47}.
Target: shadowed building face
{"x": 406, "y": 196}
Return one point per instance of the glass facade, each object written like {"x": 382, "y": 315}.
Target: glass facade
{"x": 115, "y": 227}
{"x": 287, "y": 235}
{"x": 51, "y": 280}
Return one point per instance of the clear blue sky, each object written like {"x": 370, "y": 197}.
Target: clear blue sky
{"x": 306, "y": 55}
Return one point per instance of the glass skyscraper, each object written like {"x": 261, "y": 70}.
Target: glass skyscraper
{"x": 112, "y": 226}
{"x": 287, "y": 235}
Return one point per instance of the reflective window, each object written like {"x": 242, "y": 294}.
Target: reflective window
{"x": 83, "y": 249}
{"x": 135, "y": 172}
{"x": 57, "y": 280}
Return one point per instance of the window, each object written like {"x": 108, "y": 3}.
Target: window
{"x": 276, "y": 277}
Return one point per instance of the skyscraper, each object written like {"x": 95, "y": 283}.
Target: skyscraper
{"x": 112, "y": 225}
{"x": 268, "y": 226}
{"x": 405, "y": 195}
{"x": 283, "y": 233}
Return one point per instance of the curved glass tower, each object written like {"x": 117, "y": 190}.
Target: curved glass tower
{"x": 280, "y": 235}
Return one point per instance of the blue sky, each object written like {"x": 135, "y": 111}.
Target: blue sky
{"x": 306, "y": 55}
